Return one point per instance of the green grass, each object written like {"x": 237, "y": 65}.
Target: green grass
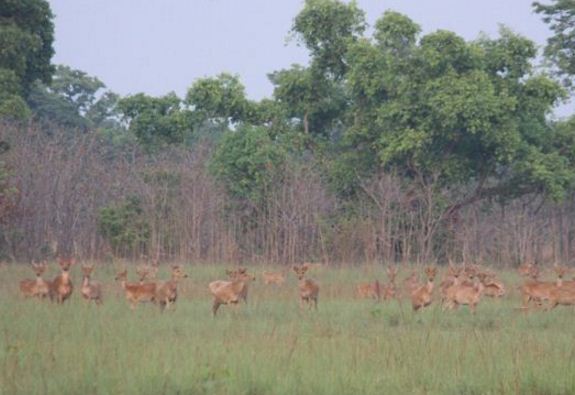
{"x": 348, "y": 346}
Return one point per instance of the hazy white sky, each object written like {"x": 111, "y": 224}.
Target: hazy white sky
{"x": 158, "y": 46}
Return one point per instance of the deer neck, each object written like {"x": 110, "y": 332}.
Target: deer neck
{"x": 65, "y": 276}
{"x": 429, "y": 286}
{"x": 86, "y": 281}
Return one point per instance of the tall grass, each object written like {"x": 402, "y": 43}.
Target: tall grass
{"x": 270, "y": 346}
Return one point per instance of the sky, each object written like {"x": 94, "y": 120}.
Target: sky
{"x": 159, "y": 46}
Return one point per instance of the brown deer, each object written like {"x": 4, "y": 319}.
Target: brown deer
{"x": 167, "y": 293}
{"x": 136, "y": 293}
{"x": 369, "y": 290}
{"x": 273, "y": 278}
{"x": 465, "y": 292}
{"x": 308, "y": 289}
{"x": 230, "y": 292}
{"x": 422, "y": 296}
{"x": 493, "y": 287}
{"x": 91, "y": 290}
{"x": 390, "y": 289}
{"x": 61, "y": 287}
{"x": 451, "y": 278}
{"x": 534, "y": 290}
{"x": 411, "y": 283}
{"x": 561, "y": 296}
{"x": 39, "y": 287}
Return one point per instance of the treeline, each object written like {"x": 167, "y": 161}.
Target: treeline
{"x": 392, "y": 147}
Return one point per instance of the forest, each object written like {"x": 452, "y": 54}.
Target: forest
{"x": 396, "y": 146}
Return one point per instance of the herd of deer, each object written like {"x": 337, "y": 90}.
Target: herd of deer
{"x": 461, "y": 285}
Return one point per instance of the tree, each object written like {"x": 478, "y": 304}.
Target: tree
{"x": 156, "y": 121}
{"x": 26, "y": 38}
{"x": 74, "y": 99}
{"x": 220, "y": 99}
{"x": 248, "y": 162}
{"x": 327, "y": 28}
{"x": 560, "y": 48}
{"x": 316, "y": 101}
{"x": 469, "y": 117}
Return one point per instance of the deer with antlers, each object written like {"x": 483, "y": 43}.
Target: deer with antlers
{"x": 308, "y": 289}
{"x": 422, "y": 296}
{"x": 232, "y": 291}
{"x": 61, "y": 287}
{"x": 167, "y": 293}
{"x": 91, "y": 290}
{"x": 39, "y": 287}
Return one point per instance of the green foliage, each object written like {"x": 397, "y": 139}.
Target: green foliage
{"x": 327, "y": 28}
{"x": 74, "y": 99}
{"x": 220, "y": 99}
{"x": 560, "y": 49}
{"x": 306, "y": 95}
{"x": 125, "y": 227}
{"x": 248, "y": 163}
{"x": 26, "y": 38}
{"x": 156, "y": 121}
{"x": 456, "y": 113}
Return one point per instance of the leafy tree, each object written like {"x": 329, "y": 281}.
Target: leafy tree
{"x": 248, "y": 163}
{"x": 327, "y": 28}
{"x": 125, "y": 227}
{"x": 464, "y": 116}
{"x": 74, "y": 99}
{"x": 560, "y": 49}
{"x": 220, "y": 99}
{"x": 26, "y": 38}
{"x": 316, "y": 101}
{"x": 156, "y": 121}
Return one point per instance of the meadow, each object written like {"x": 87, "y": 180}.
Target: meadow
{"x": 271, "y": 346}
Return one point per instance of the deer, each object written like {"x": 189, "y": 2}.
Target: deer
{"x": 561, "y": 296}
{"x": 465, "y": 292}
{"x": 167, "y": 292}
{"x": 91, "y": 290}
{"x": 273, "y": 278}
{"x": 147, "y": 272}
{"x": 308, "y": 289}
{"x": 451, "y": 278}
{"x": 390, "y": 289}
{"x": 369, "y": 290}
{"x": 492, "y": 286}
{"x": 61, "y": 287}
{"x": 534, "y": 290}
{"x": 232, "y": 291}
{"x": 136, "y": 292}
{"x": 422, "y": 296}
{"x": 411, "y": 283}
{"x": 39, "y": 287}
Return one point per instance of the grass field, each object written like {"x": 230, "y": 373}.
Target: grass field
{"x": 349, "y": 346}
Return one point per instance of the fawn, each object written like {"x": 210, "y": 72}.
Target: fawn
{"x": 308, "y": 289}
{"x": 422, "y": 296}
{"x": 61, "y": 287}
{"x": 136, "y": 293}
{"x": 230, "y": 292}
{"x": 167, "y": 293}
{"x": 273, "y": 278}
{"x": 91, "y": 290}
{"x": 36, "y": 288}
